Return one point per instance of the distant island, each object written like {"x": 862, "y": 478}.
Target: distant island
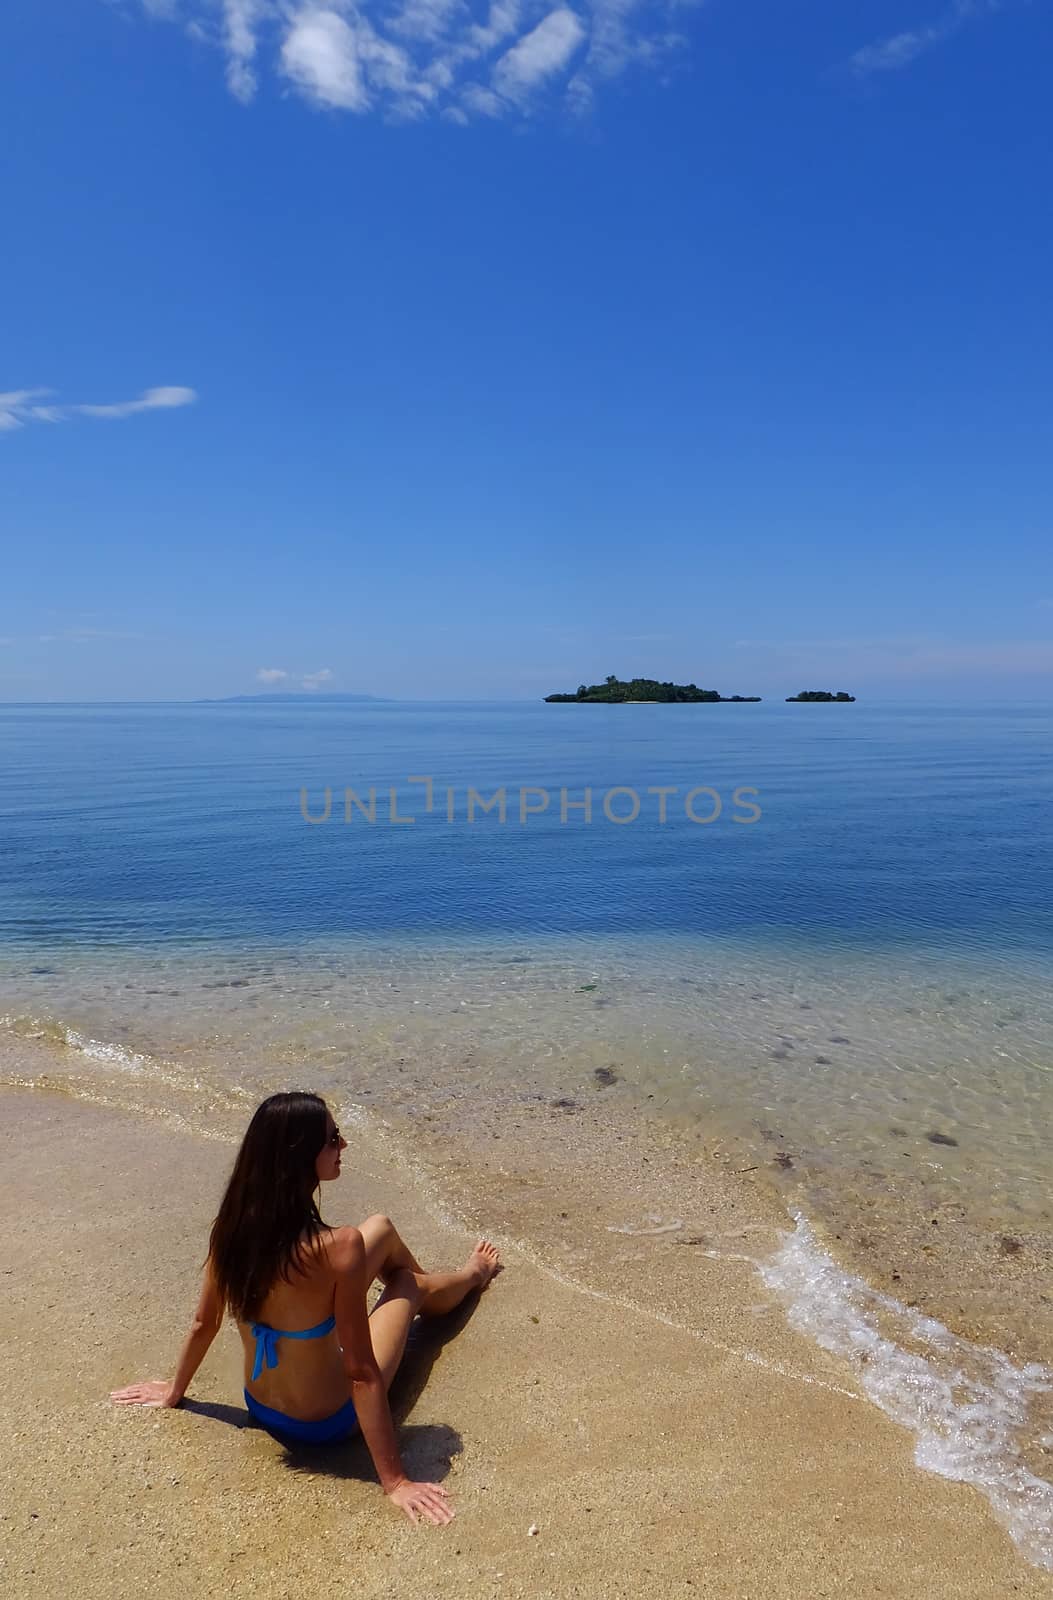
{"x": 811, "y": 695}
{"x": 292, "y": 698}
{"x": 646, "y": 691}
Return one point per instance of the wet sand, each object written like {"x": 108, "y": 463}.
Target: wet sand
{"x": 731, "y": 1459}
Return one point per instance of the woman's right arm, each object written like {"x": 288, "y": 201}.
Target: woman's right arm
{"x": 348, "y": 1256}
{"x": 208, "y": 1318}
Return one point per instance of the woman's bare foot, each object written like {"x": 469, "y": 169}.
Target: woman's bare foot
{"x": 485, "y": 1261}
{"x": 443, "y": 1291}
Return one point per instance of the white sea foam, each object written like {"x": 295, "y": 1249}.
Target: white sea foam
{"x": 48, "y": 1031}
{"x": 968, "y": 1407}
{"x": 114, "y": 1055}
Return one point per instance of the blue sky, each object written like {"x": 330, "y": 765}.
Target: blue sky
{"x": 454, "y": 349}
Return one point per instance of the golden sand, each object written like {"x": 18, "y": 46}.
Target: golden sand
{"x": 647, "y": 1457}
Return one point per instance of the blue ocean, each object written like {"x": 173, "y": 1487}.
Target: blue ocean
{"x": 895, "y": 829}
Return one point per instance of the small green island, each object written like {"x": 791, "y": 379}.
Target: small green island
{"x": 646, "y": 691}
{"x": 811, "y": 696}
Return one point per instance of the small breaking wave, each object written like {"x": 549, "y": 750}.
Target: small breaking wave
{"x": 47, "y": 1031}
{"x": 970, "y": 1408}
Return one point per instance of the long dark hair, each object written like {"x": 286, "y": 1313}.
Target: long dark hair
{"x": 268, "y": 1217}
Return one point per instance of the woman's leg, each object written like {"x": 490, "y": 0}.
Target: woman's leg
{"x": 430, "y": 1293}
{"x": 385, "y": 1252}
{"x": 391, "y": 1319}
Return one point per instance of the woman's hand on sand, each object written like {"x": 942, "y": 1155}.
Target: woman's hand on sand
{"x": 418, "y": 1500}
{"x": 155, "y": 1392}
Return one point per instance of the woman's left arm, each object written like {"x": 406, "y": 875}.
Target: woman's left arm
{"x": 207, "y": 1318}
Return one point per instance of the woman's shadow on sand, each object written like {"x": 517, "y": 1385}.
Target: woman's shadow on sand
{"x": 427, "y": 1449}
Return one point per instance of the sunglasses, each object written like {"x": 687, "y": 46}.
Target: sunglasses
{"x": 334, "y": 1139}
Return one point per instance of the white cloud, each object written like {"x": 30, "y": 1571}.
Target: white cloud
{"x": 314, "y": 680}
{"x": 310, "y": 681}
{"x": 14, "y": 406}
{"x": 540, "y": 53}
{"x": 390, "y": 70}
{"x": 887, "y": 55}
{"x": 165, "y": 399}
{"x": 425, "y": 19}
{"x": 482, "y": 101}
{"x": 345, "y": 64}
{"x": 15, "y": 398}
{"x": 579, "y": 96}
{"x": 898, "y": 51}
{"x": 240, "y": 21}
{"x": 21, "y": 406}
{"x": 611, "y": 44}
{"x": 320, "y": 55}
{"x": 408, "y": 58}
{"x": 502, "y": 20}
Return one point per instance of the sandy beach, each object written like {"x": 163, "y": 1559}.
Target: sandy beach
{"x": 733, "y": 1458}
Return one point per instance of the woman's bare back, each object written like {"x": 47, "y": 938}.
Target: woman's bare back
{"x": 310, "y": 1380}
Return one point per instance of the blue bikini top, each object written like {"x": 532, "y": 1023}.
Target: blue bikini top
{"x": 267, "y": 1341}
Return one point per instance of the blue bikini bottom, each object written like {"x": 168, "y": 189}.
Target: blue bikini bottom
{"x": 292, "y": 1431}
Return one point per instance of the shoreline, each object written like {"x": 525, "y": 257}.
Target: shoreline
{"x": 744, "y": 1400}
{"x": 556, "y": 1081}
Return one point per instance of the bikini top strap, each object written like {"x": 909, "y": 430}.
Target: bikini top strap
{"x": 267, "y": 1338}
{"x": 266, "y": 1347}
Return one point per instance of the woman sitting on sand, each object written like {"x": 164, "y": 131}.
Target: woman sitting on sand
{"x": 316, "y": 1365}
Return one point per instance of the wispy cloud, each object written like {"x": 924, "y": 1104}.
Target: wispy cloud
{"x": 461, "y": 59}
{"x": 241, "y": 18}
{"x": 543, "y": 51}
{"x": 900, "y": 49}
{"x": 21, "y": 406}
{"x": 310, "y": 681}
{"x": 315, "y": 680}
{"x": 426, "y": 19}
{"x": 14, "y": 405}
